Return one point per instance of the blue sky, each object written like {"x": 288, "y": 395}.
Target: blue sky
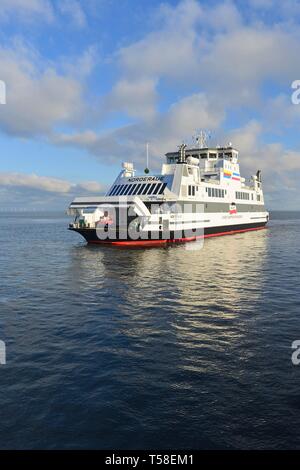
{"x": 90, "y": 82}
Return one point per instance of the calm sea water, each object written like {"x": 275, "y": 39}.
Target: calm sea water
{"x": 150, "y": 348}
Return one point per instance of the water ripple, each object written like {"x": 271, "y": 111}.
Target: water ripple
{"x": 148, "y": 348}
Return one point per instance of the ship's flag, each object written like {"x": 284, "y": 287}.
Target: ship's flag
{"x": 227, "y": 174}
{"x": 236, "y": 176}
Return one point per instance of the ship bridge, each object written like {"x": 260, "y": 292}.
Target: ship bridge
{"x": 205, "y": 163}
{"x": 127, "y": 184}
{"x": 207, "y": 154}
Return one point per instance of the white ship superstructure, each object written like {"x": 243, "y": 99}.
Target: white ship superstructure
{"x": 199, "y": 193}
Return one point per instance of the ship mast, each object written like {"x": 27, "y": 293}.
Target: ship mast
{"x": 201, "y": 138}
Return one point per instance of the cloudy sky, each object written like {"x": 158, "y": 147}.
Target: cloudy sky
{"x": 89, "y": 82}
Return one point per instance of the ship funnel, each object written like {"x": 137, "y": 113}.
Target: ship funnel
{"x": 258, "y": 175}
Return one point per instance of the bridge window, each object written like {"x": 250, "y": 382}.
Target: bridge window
{"x": 163, "y": 187}
{"x": 131, "y": 189}
{"x": 114, "y": 189}
{"x": 118, "y": 190}
{"x": 123, "y": 188}
{"x": 127, "y": 189}
{"x": 242, "y": 195}
{"x": 141, "y": 189}
{"x": 137, "y": 188}
{"x": 152, "y": 189}
{"x": 147, "y": 188}
{"x": 157, "y": 187}
{"x": 215, "y": 192}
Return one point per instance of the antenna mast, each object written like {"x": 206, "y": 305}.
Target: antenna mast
{"x": 147, "y": 159}
{"x": 201, "y": 138}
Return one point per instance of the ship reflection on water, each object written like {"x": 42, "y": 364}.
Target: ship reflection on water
{"x": 149, "y": 348}
{"x": 216, "y": 282}
{"x": 178, "y": 325}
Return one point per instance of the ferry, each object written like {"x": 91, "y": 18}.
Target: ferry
{"x": 199, "y": 193}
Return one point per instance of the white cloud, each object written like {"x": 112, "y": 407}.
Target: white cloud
{"x": 27, "y": 9}
{"x": 182, "y": 17}
{"x": 279, "y": 114}
{"x": 245, "y": 58}
{"x": 83, "y": 139}
{"x": 167, "y": 52}
{"x": 19, "y": 191}
{"x": 137, "y": 97}
{"x": 231, "y": 65}
{"x": 211, "y": 49}
{"x": 215, "y": 61}
{"x": 73, "y": 10}
{"x": 261, "y": 3}
{"x": 271, "y": 157}
{"x": 35, "y": 182}
{"x": 224, "y": 17}
{"x": 38, "y": 96}
{"x": 287, "y": 9}
{"x": 47, "y": 184}
{"x": 280, "y": 166}
{"x": 164, "y": 132}
{"x": 247, "y": 138}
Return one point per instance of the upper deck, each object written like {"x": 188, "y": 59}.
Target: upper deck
{"x": 207, "y": 174}
{"x": 209, "y": 154}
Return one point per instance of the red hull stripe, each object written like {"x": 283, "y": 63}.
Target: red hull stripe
{"x": 177, "y": 240}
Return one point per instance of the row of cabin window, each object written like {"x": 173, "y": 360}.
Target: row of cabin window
{"x": 215, "y": 192}
{"x": 133, "y": 189}
{"x": 192, "y": 190}
{"x": 242, "y": 195}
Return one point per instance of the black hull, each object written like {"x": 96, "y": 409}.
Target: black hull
{"x": 91, "y": 236}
